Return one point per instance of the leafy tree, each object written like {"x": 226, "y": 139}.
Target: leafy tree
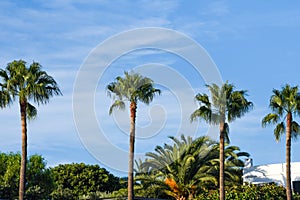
{"x": 225, "y": 106}
{"x": 132, "y": 88}
{"x": 79, "y": 179}
{"x": 63, "y": 194}
{"x": 285, "y": 104}
{"x": 9, "y": 175}
{"x": 39, "y": 183}
{"x": 26, "y": 83}
{"x": 39, "y": 179}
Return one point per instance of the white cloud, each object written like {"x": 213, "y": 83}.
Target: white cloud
{"x": 60, "y": 35}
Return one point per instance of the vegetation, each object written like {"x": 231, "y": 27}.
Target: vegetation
{"x": 181, "y": 170}
{"x": 79, "y": 179}
{"x": 39, "y": 183}
{"x": 248, "y": 192}
{"x": 25, "y": 83}
{"x": 69, "y": 181}
{"x": 285, "y": 104}
{"x": 186, "y": 169}
{"x": 225, "y": 106}
{"x": 132, "y": 88}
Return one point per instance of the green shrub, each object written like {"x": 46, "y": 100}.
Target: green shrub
{"x": 248, "y": 192}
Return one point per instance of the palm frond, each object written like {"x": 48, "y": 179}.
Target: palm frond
{"x": 118, "y": 104}
{"x": 279, "y": 130}
{"x": 203, "y": 113}
{"x": 5, "y": 99}
{"x": 271, "y": 118}
{"x": 31, "y": 111}
{"x": 295, "y": 130}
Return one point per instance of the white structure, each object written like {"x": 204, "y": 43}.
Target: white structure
{"x": 273, "y": 173}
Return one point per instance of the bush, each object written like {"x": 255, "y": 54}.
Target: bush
{"x": 82, "y": 180}
{"x": 248, "y": 192}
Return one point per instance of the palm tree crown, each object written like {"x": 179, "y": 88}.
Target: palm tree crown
{"x": 226, "y": 104}
{"x": 133, "y": 88}
{"x": 282, "y": 103}
{"x": 27, "y": 83}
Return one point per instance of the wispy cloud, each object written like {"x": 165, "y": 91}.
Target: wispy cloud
{"x": 61, "y": 34}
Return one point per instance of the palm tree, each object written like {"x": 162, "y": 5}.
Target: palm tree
{"x": 132, "y": 88}
{"x": 26, "y": 83}
{"x": 182, "y": 166}
{"x": 285, "y": 104}
{"x": 188, "y": 165}
{"x": 225, "y": 106}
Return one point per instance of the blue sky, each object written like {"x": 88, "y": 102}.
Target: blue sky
{"x": 254, "y": 44}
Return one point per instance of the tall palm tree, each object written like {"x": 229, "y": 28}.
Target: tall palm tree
{"x": 133, "y": 88}
{"x": 225, "y": 106}
{"x": 285, "y": 104}
{"x": 25, "y": 84}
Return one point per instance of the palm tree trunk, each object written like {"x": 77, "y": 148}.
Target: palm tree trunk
{"x": 23, "y": 105}
{"x": 288, "y": 157}
{"x": 221, "y": 156}
{"x": 133, "y": 108}
{"x": 191, "y": 196}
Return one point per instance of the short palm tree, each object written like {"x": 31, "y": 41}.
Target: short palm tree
{"x": 285, "y": 104}
{"x": 182, "y": 166}
{"x": 25, "y": 84}
{"x": 182, "y": 169}
{"x": 133, "y": 88}
{"x": 225, "y": 106}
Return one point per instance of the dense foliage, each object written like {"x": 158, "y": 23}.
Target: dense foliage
{"x": 39, "y": 180}
{"x": 75, "y": 180}
{"x": 182, "y": 169}
{"x": 69, "y": 181}
{"x": 248, "y": 192}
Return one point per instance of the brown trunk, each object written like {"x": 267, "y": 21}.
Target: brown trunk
{"x": 221, "y": 156}
{"x": 181, "y": 198}
{"x": 24, "y": 150}
{"x": 288, "y": 156}
{"x": 133, "y": 108}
